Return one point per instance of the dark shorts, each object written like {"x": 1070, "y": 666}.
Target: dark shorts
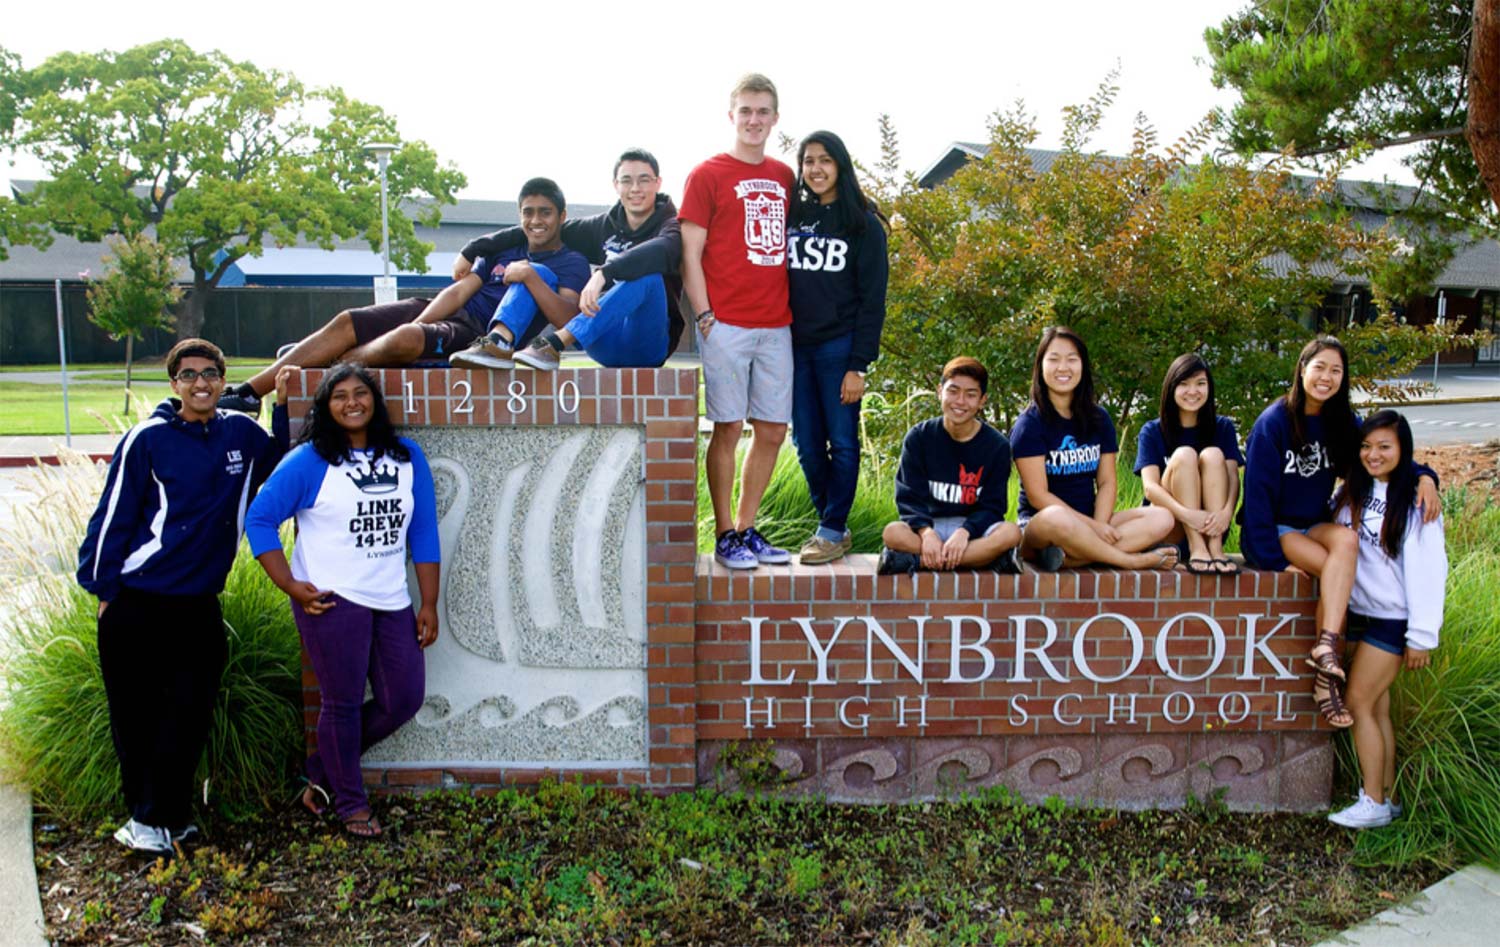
{"x": 440, "y": 339}
{"x": 1387, "y": 634}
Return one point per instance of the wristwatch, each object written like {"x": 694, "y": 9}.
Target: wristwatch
{"x": 702, "y": 315}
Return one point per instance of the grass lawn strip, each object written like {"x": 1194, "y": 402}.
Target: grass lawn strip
{"x": 571, "y": 864}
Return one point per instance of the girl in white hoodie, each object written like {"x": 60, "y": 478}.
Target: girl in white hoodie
{"x": 1396, "y": 608}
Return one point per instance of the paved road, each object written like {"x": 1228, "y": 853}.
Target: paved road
{"x": 1435, "y": 424}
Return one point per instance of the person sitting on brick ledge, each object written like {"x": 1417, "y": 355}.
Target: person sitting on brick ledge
{"x": 517, "y": 286}
{"x": 952, "y": 485}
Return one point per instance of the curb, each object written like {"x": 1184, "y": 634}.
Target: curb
{"x": 1483, "y": 399}
{"x": 21, "y": 920}
{"x": 49, "y": 460}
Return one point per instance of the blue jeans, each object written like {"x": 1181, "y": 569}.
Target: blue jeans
{"x": 630, "y": 328}
{"x": 826, "y": 431}
{"x": 519, "y": 312}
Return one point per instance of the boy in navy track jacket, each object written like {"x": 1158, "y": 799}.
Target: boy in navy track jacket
{"x": 158, "y": 549}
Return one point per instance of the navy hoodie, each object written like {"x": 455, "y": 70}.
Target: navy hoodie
{"x": 837, "y": 283}
{"x": 939, "y": 476}
{"x": 653, "y": 248}
{"x": 173, "y": 507}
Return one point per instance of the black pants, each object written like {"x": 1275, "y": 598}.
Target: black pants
{"x": 161, "y": 657}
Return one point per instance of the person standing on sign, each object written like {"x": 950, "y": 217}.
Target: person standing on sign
{"x": 363, "y": 498}
{"x": 734, "y": 216}
{"x": 838, "y": 273}
{"x": 158, "y": 549}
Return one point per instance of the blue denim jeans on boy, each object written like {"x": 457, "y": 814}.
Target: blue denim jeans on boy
{"x": 826, "y": 431}
{"x": 519, "y": 312}
{"x": 630, "y": 328}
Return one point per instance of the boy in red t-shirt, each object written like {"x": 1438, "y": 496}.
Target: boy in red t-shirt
{"x": 734, "y": 215}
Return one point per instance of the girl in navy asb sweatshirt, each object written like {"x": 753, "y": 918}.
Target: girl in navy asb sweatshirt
{"x": 1188, "y": 459}
{"x": 1396, "y": 608}
{"x": 1065, "y": 448}
{"x": 1298, "y": 448}
{"x": 837, "y": 271}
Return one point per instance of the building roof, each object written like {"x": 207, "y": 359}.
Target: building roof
{"x": 1475, "y": 265}
{"x": 350, "y": 263}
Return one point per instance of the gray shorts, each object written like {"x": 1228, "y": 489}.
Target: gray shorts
{"x": 747, "y": 374}
{"x": 946, "y": 526}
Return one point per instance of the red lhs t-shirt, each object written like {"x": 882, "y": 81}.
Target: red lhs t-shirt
{"x": 744, "y": 209}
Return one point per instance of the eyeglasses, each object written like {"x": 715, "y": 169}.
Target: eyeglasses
{"x": 628, "y": 183}
{"x": 208, "y": 374}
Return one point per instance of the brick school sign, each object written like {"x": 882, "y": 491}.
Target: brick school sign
{"x": 582, "y": 636}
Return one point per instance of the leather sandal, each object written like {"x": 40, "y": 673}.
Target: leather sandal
{"x": 365, "y": 827}
{"x": 1324, "y": 657}
{"x": 1331, "y": 704}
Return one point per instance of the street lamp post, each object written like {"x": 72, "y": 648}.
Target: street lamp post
{"x": 385, "y": 287}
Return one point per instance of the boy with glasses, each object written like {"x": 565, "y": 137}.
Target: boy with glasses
{"x": 157, "y": 551}
{"x": 628, "y": 311}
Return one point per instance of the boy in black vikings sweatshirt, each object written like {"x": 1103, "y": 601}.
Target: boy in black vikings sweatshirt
{"x": 951, "y": 487}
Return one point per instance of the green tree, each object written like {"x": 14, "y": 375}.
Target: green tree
{"x": 220, "y": 157}
{"x": 136, "y": 293}
{"x": 1322, "y": 77}
{"x": 1146, "y": 255}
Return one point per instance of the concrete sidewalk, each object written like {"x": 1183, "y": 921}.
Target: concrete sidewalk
{"x": 21, "y": 923}
{"x": 1462, "y": 910}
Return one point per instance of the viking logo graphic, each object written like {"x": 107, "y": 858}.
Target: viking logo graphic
{"x": 765, "y": 231}
{"x": 969, "y": 482}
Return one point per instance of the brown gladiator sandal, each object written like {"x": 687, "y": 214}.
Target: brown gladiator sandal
{"x": 1324, "y": 657}
{"x": 1331, "y": 703}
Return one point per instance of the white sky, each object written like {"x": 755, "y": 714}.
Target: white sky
{"x": 509, "y": 90}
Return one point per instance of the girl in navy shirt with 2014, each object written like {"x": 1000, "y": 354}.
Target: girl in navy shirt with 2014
{"x": 1064, "y": 445}
{"x": 1299, "y": 447}
{"x": 1188, "y": 459}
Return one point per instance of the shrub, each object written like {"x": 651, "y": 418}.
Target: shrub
{"x": 54, "y": 722}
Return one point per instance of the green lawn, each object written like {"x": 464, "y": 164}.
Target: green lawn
{"x": 94, "y": 409}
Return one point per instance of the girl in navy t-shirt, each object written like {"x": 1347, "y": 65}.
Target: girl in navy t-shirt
{"x": 1064, "y": 445}
{"x": 1188, "y": 459}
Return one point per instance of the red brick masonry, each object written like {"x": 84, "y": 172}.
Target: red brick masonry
{"x": 1128, "y": 715}
{"x": 1112, "y": 710}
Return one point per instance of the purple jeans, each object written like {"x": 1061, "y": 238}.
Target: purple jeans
{"x": 347, "y": 645}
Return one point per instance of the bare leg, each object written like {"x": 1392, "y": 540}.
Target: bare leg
{"x": 1329, "y": 552}
{"x": 760, "y": 463}
{"x": 1181, "y": 478}
{"x": 400, "y": 346}
{"x": 1388, "y": 737}
{"x": 318, "y": 350}
{"x": 1213, "y": 474}
{"x": 901, "y": 538}
{"x": 1371, "y": 677}
{"x": 1065, "y": 527}
{"x": 1142, "y": 527}
{"x": 718, "y": 467}
{"x": 986, "y": 549}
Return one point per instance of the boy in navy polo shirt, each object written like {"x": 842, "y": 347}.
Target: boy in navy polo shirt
{"x": 523, "y": 285}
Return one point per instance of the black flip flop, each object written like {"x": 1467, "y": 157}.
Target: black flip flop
{"x": 1206, "y": 569}
{"x": 1234, "y": 567}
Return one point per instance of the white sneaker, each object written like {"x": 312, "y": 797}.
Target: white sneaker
{"x": 148, "y": 839}
{"x": 1364, "y": 814}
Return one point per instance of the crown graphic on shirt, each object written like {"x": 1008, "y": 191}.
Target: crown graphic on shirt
{"x": 382, "y": 479}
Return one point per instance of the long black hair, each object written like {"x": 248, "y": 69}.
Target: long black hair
{"x": 1339, "y": 422}
{"x": 331, "y": 441}
{"x": 1084, "y": 406}
{"x": 1182, "y": 368}
{"x": 1401, "y": 486}
{"x": 850, "y": 207}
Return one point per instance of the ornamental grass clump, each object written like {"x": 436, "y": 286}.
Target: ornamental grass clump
{"x": 54, "y": 720}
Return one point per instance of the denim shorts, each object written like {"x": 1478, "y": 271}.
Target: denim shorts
{"x": 1282, "y": 529}
{"x": 946, "y": 526}
{"x": 1387, "y": 634}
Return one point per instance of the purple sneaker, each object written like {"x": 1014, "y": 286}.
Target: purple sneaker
{"x": 765, "y": 553}
{"x": 731, "y": 553}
